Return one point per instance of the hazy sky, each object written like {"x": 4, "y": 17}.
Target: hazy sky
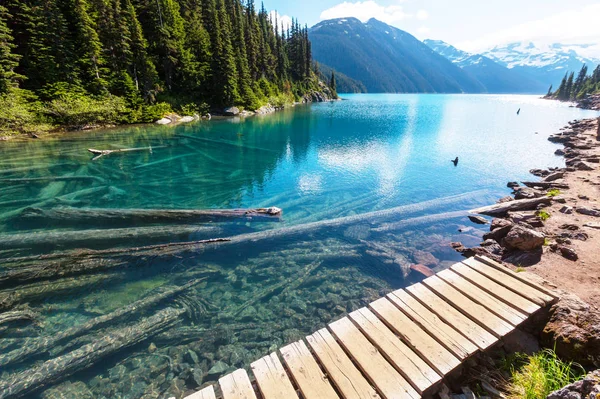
{"x": 469, "y": 24}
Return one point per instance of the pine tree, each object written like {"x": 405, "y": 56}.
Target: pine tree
{"x": 561, "y": 93}
{"x": 332, "y": 83}
{"x": 89, "y": 48}
{"x": 569, "y": 86}
{"x": 579, "y": 82}
{"x": 549, "y": 91}
{"x": 8, "y": 60}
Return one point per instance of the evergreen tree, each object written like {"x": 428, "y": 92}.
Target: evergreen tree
{"x": 87, "y": 42}
{"x": 332, "y": 83}
{"x": 549, "y": 91}
{"x": 562, "y": 94}
{"x": 569, "y": 86}
{"x": 8, "y": 60}
{"x": 581, "y": 76}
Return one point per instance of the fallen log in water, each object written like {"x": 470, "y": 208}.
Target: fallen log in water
{"x": 136, "y": 216}
{"x": 40, "y": 346}
{"x": 518, "y": 205}
{"x": 106, "y": 257}
{"x": 100, "y": 153}
{"x": 54, "y": 370}
{"x": 546, "y": 185}
{"x": 51, "y": 178}
{"x": 17, "y": 315}
{"x": 103, "y": 237}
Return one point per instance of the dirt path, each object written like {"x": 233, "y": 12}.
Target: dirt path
{"x": 581, "y": 277}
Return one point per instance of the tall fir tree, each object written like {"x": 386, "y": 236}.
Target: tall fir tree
{"x": 8, "y": 59}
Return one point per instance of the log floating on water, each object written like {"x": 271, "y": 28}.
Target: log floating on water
{"x": 518, "y": 205}
{"x": 88, "y": 355}
{"x": 129, "y": 216}
{"x": 42, "y": 345}
{"x": 102, "y": 237}
{"x": 100, "y": 153}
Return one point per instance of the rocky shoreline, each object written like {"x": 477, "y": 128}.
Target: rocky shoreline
{"x": 522, "y": 230}
{"x": 550, "y": 231}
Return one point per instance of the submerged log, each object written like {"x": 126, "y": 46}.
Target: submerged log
{"x": 64, "y": 259}
{"x": 518, "y": 205}
{"x": 50, "y": 179}
{"x": 42, "y": 345}
{"x": 100, "y": 153}
{"x": 17, "y": 315}
{"x": 103, "y": 237}
{"x": 136, "y": 216}
{"x": 55, "y": 370}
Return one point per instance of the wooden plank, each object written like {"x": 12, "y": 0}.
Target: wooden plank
{"x": 405, "y": 361}
{"x": 206, "y": 393}
{"x": 431, "y": 351}
{"x": 444, "y": 333}
{"x": 512, "y": 284}
{"x": 306, "y": 372}
{"x": 385, "y": 378}
{"x": 499, "y": 291}
{"x": 469, "y": 308}
{"x": 272, "y": 379}
{"x": 470, "y": 290}
{"x": 491, "y": 262}
{"x": 473, "y": 331}
{"x": 343, "y": 373}
{"x": 237, "y": 386}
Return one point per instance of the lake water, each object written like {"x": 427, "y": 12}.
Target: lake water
{"x": 325, "y": 162}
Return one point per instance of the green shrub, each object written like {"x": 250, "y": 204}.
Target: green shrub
{"x": 543, "y": 214}
{"x": 536, "y": 376}
{"x": 156, "y": 111}
{"x": 76, "y": 110}
{"x": 20, "y": 113}
{"x": 281, "y": 100}
{"x": 553, "y": 193}
{"x": 193, "y": 108}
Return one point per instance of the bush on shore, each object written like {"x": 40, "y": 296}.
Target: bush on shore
{"x": 538, "y": 375}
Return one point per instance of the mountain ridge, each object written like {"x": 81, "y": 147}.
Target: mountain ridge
{"x": 386, "y": 59}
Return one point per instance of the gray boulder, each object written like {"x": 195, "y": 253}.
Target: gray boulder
{"x": 231, "y": 111}
{"x": 525, "y": 239}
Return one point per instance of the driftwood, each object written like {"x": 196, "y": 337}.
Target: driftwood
{"x": 101, "y": 153}
{"x": 17, "y": 315}
{"x": 42, "y": 345}
{"x": 54, "y": 370}
{"x": 103, "y": 237}
{"x": 52, "y": 178}
{"x": 546, "y": 185}
{"x": 38, "y": 291}
{"x": 372, "y": 218}
{"x": 137, "y": 216}
{"x": 511, "y": 206}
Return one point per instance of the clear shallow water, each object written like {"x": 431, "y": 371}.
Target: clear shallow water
{"x": 323, "y": 162}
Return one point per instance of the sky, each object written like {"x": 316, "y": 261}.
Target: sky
{"x": 471, "y": 25}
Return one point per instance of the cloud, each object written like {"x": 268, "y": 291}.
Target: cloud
{"x": 422, "y": 15}
{"x": 365, "y": 10}
{"x": 572, "y": 26}
{"x": 423, "y": 30}
{"x": 282, "y": 20}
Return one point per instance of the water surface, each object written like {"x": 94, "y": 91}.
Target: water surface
{"x": 322, "y": 162}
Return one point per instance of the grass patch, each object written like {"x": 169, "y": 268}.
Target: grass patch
{"x": 553, "y": 193}
{"x": 520, "y": 269}
{"x": 536, "y": 376}
{"x": 543, "y": 214}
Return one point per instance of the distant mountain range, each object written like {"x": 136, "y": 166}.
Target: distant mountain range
{"x": 496, "y": 77}
{"x": 386, "y": 59}
{"x": 381, "y": 58}
{"x": 547, "y": 63}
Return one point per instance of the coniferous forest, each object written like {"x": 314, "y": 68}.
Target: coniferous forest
{"x": 74, "y": 63}
{"x": 577, "y": 87}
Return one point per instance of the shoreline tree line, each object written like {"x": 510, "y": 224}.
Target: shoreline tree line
{"x": 74, "y": 63}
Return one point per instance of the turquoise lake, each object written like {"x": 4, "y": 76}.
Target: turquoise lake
{"x": 333, "y": 168}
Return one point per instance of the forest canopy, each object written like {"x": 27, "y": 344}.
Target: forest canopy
{"x": 80, "y": 62}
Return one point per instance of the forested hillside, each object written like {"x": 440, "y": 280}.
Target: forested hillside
{"x": 577, "y": 87}
{"x": 81, "y": 62}
{"x": 386, "y": 59}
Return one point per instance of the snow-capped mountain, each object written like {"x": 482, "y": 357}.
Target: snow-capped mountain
{"x": 495, "y": 77}
{"x": 548, "y": 62}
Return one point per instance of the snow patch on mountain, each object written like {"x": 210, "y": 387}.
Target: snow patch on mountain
{"x": 555, "y": 56}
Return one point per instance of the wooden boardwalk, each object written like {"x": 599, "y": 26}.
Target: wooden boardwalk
{"x": 400, "y": 346}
